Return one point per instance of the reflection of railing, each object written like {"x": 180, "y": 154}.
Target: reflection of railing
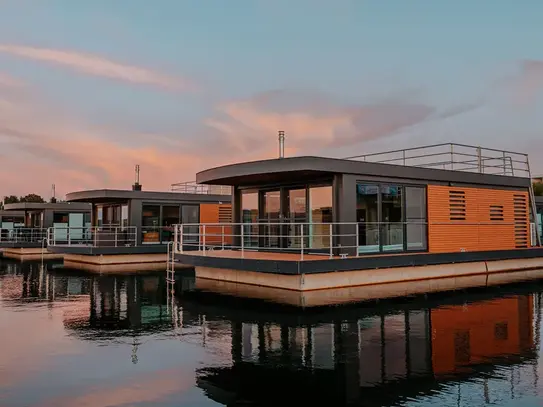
{"x": 22, "y": 235}
{"x": 93, "y": 236}
{"x": 456, "y": 157}
{"x": 191, "y": 187}
{"x": 333, "y": 239}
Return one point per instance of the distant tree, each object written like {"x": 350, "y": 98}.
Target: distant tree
{"x": 11, "y": 199}
{"x": 32, "y": 198}
{"x": 538, "y": 188}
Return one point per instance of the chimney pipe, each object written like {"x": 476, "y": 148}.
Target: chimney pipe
{"x": 281, "y": 144}
{"x": 137, "y": 185}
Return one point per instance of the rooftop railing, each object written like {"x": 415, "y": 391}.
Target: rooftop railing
{"x": 455, "y": 157}
{"x": 191, "y": 187}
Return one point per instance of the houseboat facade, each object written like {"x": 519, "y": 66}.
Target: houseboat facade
{"x": 539, "y": 215}
{"x": 131, "y": 229}
{"x": 428, "y": 219}
{"x": 24, "y": 226}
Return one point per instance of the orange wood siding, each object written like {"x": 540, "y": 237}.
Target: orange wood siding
{"x": 477, "y": 231}
{"x": 472, "y": 334}
{"x": 209, "y": 213}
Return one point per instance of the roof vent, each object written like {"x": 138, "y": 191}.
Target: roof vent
{"x": 281, "y": 144}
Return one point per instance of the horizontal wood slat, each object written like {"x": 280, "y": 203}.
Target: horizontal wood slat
{"x": 473, "y": 219}
{"x": 216, "y": 213}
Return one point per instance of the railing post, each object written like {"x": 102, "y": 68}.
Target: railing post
{"x": 302, "y": 241}
{"x": 242, "y": 242}
{"x": 403, "y": 154}
{"x": 204, "y": 238}
{"x": 452, "y": 156}
{"x": 331, "y": 240}
{"x": 222, "y": 237}
{"x": 181, "y": 238}
{"x": 115, "y": 236}
{"x": 69, "y": 236}
{"x": 504, "y": 164}
{"x": 94, "y": 236}
{"x": 356, "y": 243}
{"x": 479, "y": 160}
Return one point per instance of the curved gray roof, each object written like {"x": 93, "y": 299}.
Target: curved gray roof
{"x": 284, "y": 170}
{"x": 105, "y": 195}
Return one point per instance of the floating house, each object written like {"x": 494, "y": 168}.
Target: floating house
{"x": 131, "y": 229}
{"x": 432, "y": 218}
{"x": 24, "y": 226}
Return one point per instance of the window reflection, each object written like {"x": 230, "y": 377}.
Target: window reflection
{"x": 367, "y": 216}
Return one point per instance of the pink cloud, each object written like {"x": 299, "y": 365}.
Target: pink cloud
{"x": 98, "y": 66}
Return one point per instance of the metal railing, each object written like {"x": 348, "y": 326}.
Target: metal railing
{"x": 191, "y": 187}
{"x": 329, "y": 239}
{"x": 22, "y": 235}
{"x": 455, "y": 157}
{"x": 92, "y": 236}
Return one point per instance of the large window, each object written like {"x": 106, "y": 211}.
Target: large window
{"x": 170, "y": 217}
{"x": 150, "y": 223}
{"x": 367, "y": 217}
{"x": 391, "y": 218}
{"x": 415, "y": 218}
{"x": 111, "y": 215}
{"x": 190, "y": 214}
{"x": 249, "y": 215}
{"x": 320, "y": 213}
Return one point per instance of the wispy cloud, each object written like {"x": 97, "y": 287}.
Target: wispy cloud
{"x": 528, "y": 84}
{"x": 8, "y": 81}
{"x": 98, "y": 66}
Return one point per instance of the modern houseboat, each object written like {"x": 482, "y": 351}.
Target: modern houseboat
{"x": 426, "y": 219}
{"x": 24, "y": 226}
{"x": 130, "y": 229}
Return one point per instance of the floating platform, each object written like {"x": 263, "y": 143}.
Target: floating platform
{"x": 318, "y": 280}
{"x": 119, "y": 263}
{"x": 30, "y": 253}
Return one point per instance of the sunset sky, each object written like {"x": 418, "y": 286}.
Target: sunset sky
{"x": 88, "y": 89}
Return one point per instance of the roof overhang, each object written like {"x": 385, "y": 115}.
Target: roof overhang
{"x": 287, "y": 170}
{"x": 57, "y": 206}
{"x": 116, "y": 195}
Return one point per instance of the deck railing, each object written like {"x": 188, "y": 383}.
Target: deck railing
{"x": 329, "y": 239}
{"x": 92, "y": 236}
{"x": 22, "y": 235}
{"x": 191, "y": 187}
{"x": 456, "y": 157}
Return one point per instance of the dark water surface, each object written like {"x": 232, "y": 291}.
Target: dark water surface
{"x": 73, "y": 339}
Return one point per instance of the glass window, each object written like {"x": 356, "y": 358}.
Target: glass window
{"x": 367, "y": 217}
{"x": 190, "y": 214}
{"x": 150, "y": 223}
{"x": 60, "y": 217}
{"x": 124, "y": 216}
{"x": 249, "y": 214}
{"x": 415, "y": 210}
{"x": 392, "y": 217}
{"x": 296, "y": 213}
{"x": 320, "y": 213}
{"x": 99, "y": 215}
{"x": 271, "y": 214}
{"x": 170, "y": 217}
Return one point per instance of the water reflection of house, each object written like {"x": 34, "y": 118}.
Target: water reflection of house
{"x": 380, "y": 359}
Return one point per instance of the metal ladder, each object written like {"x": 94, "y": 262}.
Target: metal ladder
{"x": 170, "y": 264}
{"x": 533, "y": 205}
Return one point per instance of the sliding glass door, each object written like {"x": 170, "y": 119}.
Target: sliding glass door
{"x": 390, "y": 218}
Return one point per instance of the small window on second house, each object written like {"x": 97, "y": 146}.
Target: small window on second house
{"x": 496, "y": 212}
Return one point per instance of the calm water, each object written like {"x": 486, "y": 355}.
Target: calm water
{"x": 72, "y": 339}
